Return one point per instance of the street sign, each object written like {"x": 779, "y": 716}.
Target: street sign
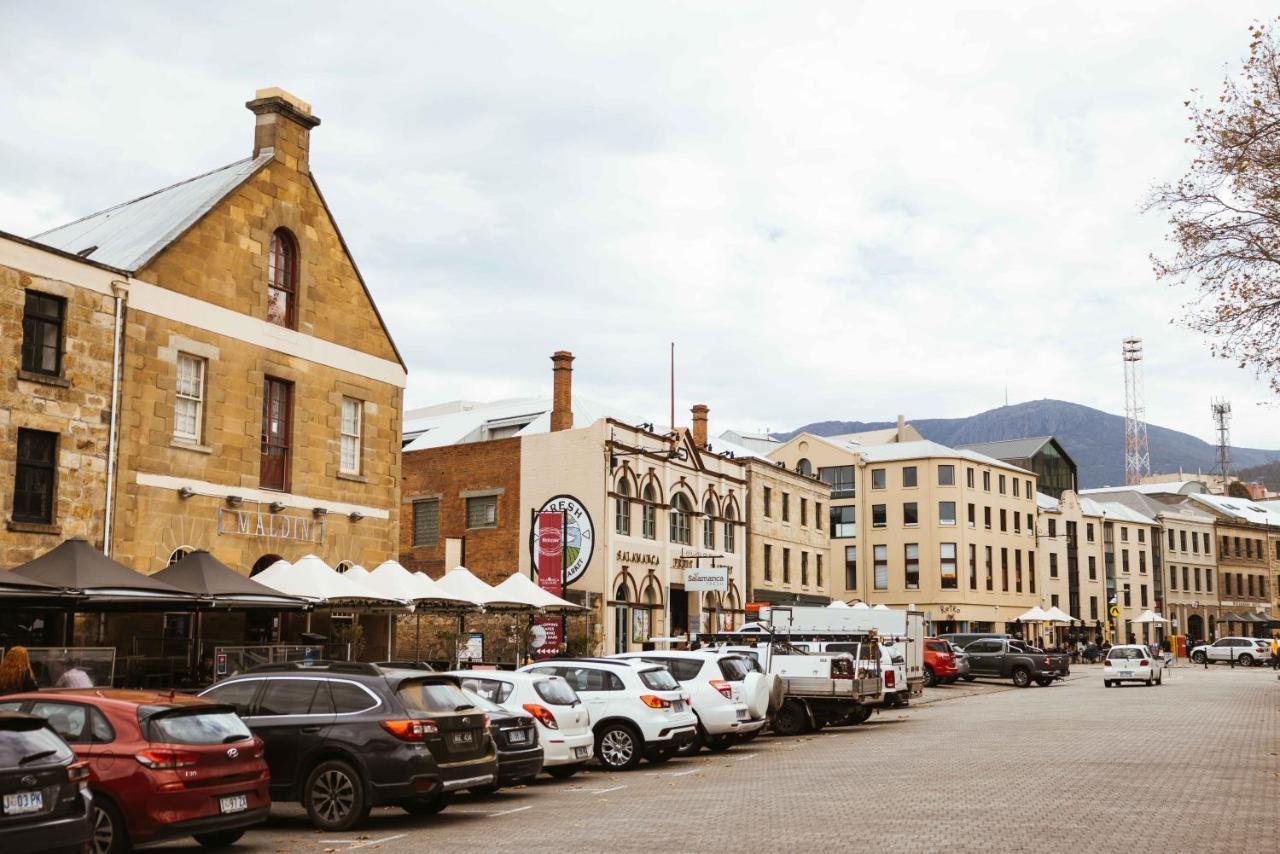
{"x": 1115, "y": 611}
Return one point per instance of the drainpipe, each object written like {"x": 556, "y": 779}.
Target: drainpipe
{"x": 121, "y": 290}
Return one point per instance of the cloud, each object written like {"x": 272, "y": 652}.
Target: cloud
{"x": 836, "y": 210}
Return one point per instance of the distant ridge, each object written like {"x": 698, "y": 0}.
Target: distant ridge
{"x": 1093, "y": 438}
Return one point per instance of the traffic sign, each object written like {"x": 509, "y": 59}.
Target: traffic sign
{"x": 1115, "y": 611}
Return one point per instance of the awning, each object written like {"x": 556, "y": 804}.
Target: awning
{"x": 100, "y": 582}
{"x": 1035, "y": 614}
{"x": 220, "y": 586}
{"x": 460, "y": 582}
{"x": 392, "y": 579}
{"x": 19, "y": 588}
{"x": 313, "y": 579}
{"x": 1057, "y": 615}
{"x": 521, "y": 587}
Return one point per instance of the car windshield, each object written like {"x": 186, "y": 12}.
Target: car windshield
{"x": 734, "y": 669}
{"x": 751, "y": 659}
{"x": 481, "y": 703}
{"x": 494, "y": 690}
{"x": 30, "y": 743}
{"x": 556, "y": 691}
{"x": 659, "y": 679}
{"x": 1126, "y": 653}
{"x": 420, "y": 695}
{"x": 198, "y": 726}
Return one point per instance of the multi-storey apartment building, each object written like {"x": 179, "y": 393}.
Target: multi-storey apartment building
{"x": 1133, "y": 585}
{"x": 1072, "y": 571}
{"x": 1244, "y": 533}
{"x": 948, "y": 531}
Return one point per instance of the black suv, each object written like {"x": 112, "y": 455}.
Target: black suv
{"x": 43, "y": 803}
{"x": 344, "y": 737}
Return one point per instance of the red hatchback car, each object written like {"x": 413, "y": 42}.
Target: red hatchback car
{"x": 161, "y": 765}
{"x": 939, "y": 663}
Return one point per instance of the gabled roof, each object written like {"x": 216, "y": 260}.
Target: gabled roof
{"x": 465, "y": 421}
{"x": 924, "y": 449}
{"x": 1141, "y": 502}
{"x": 1013, "y": 449}
{"x": 1115, "y": 511}
{"x": 1240, "y": 508}
{"x": 127, "y": 236}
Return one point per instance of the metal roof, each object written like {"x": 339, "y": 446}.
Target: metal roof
{"x": 1010, "y": 449}
{"x": 129, "y": 235}
{"x": 1240, "y": 508}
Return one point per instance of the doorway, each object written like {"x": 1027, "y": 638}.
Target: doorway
{"x": 621, "y": 620}
{"x": 1195, "y": 628}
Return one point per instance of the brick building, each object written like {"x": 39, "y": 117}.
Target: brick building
{"x": 259, "y": 390}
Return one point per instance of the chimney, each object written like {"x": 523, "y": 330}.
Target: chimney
{"x": 700, "y": 425}
{"x": 902, "y": 429}
{"x": 283, "y": 127}
{"x": 562, "y": 391}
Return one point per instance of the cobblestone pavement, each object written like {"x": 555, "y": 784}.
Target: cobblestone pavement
{"x": 1192, "y": 765}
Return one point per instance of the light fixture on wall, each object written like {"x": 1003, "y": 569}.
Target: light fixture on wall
{"x": 319, "y": 511}
{"x": 355, "y": 515}
{"x": 185, "y": 492}
{"x": 234, "y": 500}
{"x": 276, "y": 506}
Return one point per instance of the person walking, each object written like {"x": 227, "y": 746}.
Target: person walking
{"x": 1275, "y": 653}
{"x": 16, "y": 675}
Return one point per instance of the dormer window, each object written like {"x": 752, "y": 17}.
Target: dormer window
{"x": 282, "y": 280}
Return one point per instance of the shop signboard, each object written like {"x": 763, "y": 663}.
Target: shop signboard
{"x": 711, "y": 579}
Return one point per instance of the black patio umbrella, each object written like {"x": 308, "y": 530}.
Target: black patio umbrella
{"x": 19, "y": 588}
{"x": 100, "y": 583}
{"x": 219, "y": 586}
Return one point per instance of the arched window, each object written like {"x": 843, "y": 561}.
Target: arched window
{"x": 282, "y": 280}
{"x": 709, "y": 613}
{"x": 622, "y": 514}
{"x": 649, "y": 513}
{"x": 729, "y": 516}
{"x": 179, "y": 553}
{"x": 708, "y": 525}
{"x": 804, "y": 466}
{"x": 681, "y": 510}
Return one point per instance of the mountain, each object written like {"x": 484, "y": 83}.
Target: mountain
{"x": 1268, "y": 474}
{"x": 1093, "y": 438}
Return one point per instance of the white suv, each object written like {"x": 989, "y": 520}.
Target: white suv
{"x": 1244, "y": 651}
{"x": 722, "y": 689}
{"x": 638, "y": 710}
{"x": 564, "y": 726}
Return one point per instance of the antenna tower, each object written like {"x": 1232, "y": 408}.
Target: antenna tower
{"x": 1137, "y": 453}
{"x": 1222, "y": 422}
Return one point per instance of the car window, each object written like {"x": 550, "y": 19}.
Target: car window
{"x": 198, "y": 726}
{"x": 73, "y": 721}
{"x": 482, "y": 703}
{"x": 683, "y": 669}
{"x": 493, "y": 690}
{"x": 238, "y": 694}
{"x": 1125, "y": 653}
{"x": 11, "y": 705}
{"x": 555, "y": 691}
{"x": 659, "y": 680}
{"x": 733, "y": 668}
{"x": 287, "y": 697}
{"x": 421, "y": 695}
{"x": 937, "y": 646}
{"x": 1223, "y": 642}
{"x": 21, "y": 740}
{"x": 590, "y": 679}
{"x": 349, "y": 699}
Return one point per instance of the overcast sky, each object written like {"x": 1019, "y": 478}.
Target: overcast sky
{"x": 836, "y": 210}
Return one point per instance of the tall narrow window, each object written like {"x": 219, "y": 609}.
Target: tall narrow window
{"x": 277, "y": 421}
{"x": 622, "y": 508}
{"x": 188, "y": 406}
{"x": 37, "y": 466}
{"x": 786, "y": 566}
{"x": 973, "y": 567}
{"x": 1017, "y": 570}
{"x": 649, "y": 513}
{"x": 708, "y": 525}
{"x": 768, "y": 562}
{"x": 352, "y": 425}
{"x": 911, "y": 552}
{"x": 679, "y": 521}
{"x": 282, "y": 280}
{"x": 947, "y": 565}
{"x": 730, "y": 535}
{"x": 850, "y": 567}
{"x": 426, "y": 522}
{"x": 880, "y": 554}
{"x": 804, "y": 569}
{"x": 991, "y": 570}
{"x": 42, "y": 334}
{"x": 817, "y": 569}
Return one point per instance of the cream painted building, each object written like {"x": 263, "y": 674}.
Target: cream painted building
{"x": 948, "y": 531}
{"x": 1070, "y": 561}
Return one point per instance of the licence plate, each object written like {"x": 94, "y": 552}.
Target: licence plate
{"x": 19, "y": 803}
{"x": 234, "y": 803}
{"x": 678, "y": 706}
{"x": 518, "y": 736}
{"x": 579, "y": 753}
{"x": 1126, "y": 672}
{"x": 742, "y": 714}
{"x": 461, "y": 738}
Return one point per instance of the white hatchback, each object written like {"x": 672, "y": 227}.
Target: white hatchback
{"x": 1131, "y": 663}
{"x": 564, "y": 725}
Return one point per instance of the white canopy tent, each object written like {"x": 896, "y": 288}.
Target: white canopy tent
{"x": 1057, "y": 615}
{"x": 839, "y": 603}
{"x": 312, "y": 579}
{"x": 1035, "y": 614}
{"x": 1149, "y": 616}
{"x": 861, "y": 606}
{"x": 522, "y": 587}
{"x": 460, "y": 583}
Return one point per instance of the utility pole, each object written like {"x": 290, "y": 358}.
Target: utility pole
{"x": 1137, "y": 452}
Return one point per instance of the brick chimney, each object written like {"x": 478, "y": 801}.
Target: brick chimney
{"x": 283, "y": 126}
{"x": 562, "y": 391}
{"x": 700, "y": 425}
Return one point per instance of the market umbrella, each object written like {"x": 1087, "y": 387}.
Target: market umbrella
{"x": 101, "y": 582}
{"x": 1057, "y": 615}
{"x": 1149, "y": 616}
{"x": 313, "y": 579}
{"x": 838, "y": 604}
{"x": 519, "y": 585}
{"x": 19, "y": 587}
{"x": 460, "y": 582}
{"x": 220, "y": 586}
{"x": 860, "y": 606}
{"x": 1035, "y": 614}
{"x": 391, "y": 579}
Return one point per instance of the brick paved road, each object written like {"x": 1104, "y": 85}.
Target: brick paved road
{"x": 1193, "y": 765}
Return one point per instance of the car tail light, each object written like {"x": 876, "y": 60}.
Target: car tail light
{"x": 723, "y": 687}
{"x": 889, "y": 679}
{"x": 78, "y": 772}
{"x": 655, "y": 702}
{"x": 411, "y": 730}
{"x": 543, "y": 714}
{"x": 163, "y": 760}
{"x": 1106, "y": 663}
{"x": 1144, "y": 663}
{"x": 1046, "y": 661}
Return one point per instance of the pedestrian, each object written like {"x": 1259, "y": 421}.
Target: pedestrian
{"x": 1275, "y": 653}
{"x": 73, "y": 676}
{"x": 16, "y": 675}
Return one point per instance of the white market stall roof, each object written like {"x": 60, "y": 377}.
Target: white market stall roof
{"x": 521, "y": 587}
{"x": 1057, "y": 615}
{"x": 1149, "y": 616}
{"x": 1035, "y": 614}
{"x": 392, "y": 579}
{"x": 460, "y": 582}
{"x": 313, "y": 579}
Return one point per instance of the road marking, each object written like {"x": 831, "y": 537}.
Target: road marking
{"x": 510, "y": 811}
{"x": 598, "y": 791}
{"x": 362, "y": 843}
{"x": 686, "y": 773}
{"x": 744, "y": 758}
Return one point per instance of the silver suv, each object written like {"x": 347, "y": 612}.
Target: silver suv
{"x": 1243, "y": 651}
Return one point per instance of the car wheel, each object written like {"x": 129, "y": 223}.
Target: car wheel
{"x": 1245, "y": 660}
{"x": 1044, "y": 682}
{"x": 618, "y": 747}
{"x": 221, "y": 839}
{"x": 749, "y": 736}
{"x": 929, "y": 679}
{"x": 790, "y": 719}
{"x": 334, "y": 796}
{"x": 860, "y": 714}
{"x": 428, "y": 805}
{"x": 1022, "y": 677}
{"x": 1197, "y": 657}
{"x": 563, "y": 772}
{"x": 109, "y": 833}
{"x": 719, "y": 743}
{"x": 968, "y": 678}
{"x": 1150, "y": 681}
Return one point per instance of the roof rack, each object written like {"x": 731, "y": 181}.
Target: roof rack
{"x": 360, "y": 667}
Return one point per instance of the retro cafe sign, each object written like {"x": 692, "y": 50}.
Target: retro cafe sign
{"x": 561, "y": 542}
{"x": 276, "y": 526}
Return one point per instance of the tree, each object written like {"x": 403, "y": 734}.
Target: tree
{"x": 1225, "y": 213}
{"x": 1236, "y": 489}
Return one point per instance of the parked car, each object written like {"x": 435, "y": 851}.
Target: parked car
{"x": 161, "y": 765}
{"x": 1009, "y": 659}
{"x": 344, "y": 737}
{"x": 45, "y": 804}
{"x": 638, "y": 710}
{"x": 515, "y": 736}
{"x": 727, "y": 697}
{"x": 962, "y": 662}
{"x": 825, "y": 688}
{"x": 1131, "y": 663}
{"x": 939, "y": 663}
{"x": 1244, "y": 651}
{"x": 963, "y": 639}
{"x": 895, "y": 691}
{"x": 564, "y": 726}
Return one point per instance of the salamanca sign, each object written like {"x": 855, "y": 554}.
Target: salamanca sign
{"x": 577, "y": 541}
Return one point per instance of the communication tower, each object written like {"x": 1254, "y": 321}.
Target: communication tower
{"x": 1137, "y": 453}
{"x": 1221, "y": 409}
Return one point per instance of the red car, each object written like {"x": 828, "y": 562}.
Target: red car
{"x": 939, "y": 663}
{"x": 161, "y": 765}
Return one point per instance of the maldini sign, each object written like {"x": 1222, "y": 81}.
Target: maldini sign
{"x": 275, "y": 526}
